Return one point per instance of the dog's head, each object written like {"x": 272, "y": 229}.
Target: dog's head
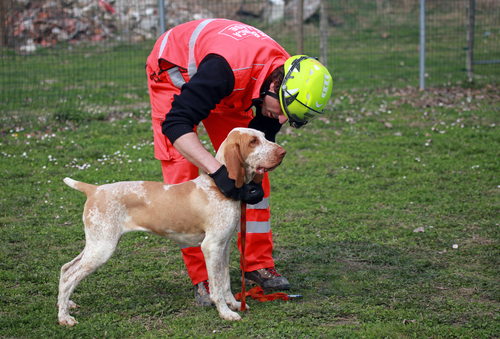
{"x": 247, "y": 155}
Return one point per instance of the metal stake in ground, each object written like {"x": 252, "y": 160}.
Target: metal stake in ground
{"x": 242, "y": 260}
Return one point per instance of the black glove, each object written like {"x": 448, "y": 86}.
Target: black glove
{"x": 251, "y": 193}
{"x": 254, "y": 193}
{"x": 226, "y": 184}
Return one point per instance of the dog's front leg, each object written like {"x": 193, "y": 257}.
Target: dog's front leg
{"x": 214, "y": 250}
{"x": 228, "y": 295}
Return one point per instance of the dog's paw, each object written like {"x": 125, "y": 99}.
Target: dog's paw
{"x": 67, "y": 320}
{"x": 231, "y": 316}
{"x": 236, "y": 306}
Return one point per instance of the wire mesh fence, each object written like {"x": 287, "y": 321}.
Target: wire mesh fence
{"x": 79, "y": 56}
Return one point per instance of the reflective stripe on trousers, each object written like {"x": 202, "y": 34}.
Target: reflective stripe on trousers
{"x": 262, "y": 212}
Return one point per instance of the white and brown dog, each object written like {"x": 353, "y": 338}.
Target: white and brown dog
{"x": 193, "y": 213}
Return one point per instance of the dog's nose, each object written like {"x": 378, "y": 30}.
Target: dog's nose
{"x": 281, "y": 152}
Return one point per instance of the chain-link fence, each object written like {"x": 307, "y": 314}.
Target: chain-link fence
{"x": 82, "y": 55}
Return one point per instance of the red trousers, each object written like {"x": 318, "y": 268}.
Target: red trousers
{"x": 176, "y": 169}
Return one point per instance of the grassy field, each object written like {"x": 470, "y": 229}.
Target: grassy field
{"x": 385, "y": 216}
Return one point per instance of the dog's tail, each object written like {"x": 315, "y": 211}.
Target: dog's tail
{"x": 88, "y": 189}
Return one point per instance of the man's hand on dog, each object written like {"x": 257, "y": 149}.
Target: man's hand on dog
{"x": 251, "y": 193}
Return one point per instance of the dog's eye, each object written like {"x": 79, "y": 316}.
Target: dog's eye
{"x": 253, "y": 141}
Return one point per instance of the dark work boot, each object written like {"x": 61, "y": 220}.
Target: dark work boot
{"x": 268, "y": 279}
{"x": 202, "y": 294}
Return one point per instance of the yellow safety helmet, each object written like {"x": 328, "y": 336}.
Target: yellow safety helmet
{"x": 305, "y": 90}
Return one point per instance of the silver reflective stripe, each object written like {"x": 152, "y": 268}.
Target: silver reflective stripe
{"x": 185, "y": 246}
{"x": 253, "y": 65}
{"x": 176, "y": 77}
{"x": 264, "y": 204}
{"x": 192, "y": 69}
{"x": 241, "y": 69}
{"x": 257, "y": 227}
{"x": 163, "y": 44}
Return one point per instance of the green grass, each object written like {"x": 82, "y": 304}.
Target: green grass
{"x": 77, "y": 79}
{"x": 384, "y": 161}
{"x": 345, "y": 204}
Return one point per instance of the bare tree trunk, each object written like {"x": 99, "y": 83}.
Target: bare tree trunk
{"x": 469, "y": 59}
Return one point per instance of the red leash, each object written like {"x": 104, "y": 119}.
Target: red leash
{"x": 256, "y": 293}
{"x": 242, "y": 260}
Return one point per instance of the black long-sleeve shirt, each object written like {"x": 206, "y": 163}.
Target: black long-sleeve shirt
{"x": 213, "y": 82}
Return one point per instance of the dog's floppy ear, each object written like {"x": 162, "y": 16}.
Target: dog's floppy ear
{"x": 234, "y": 164}
{"x": 258, "y": 178}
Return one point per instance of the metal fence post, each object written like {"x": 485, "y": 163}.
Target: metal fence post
{"x": 422, "y": 45}
{"x": 161, "y": 14}
{"x": 323, "y": 33}
{"x": 3, "y": 23}
{"x": 469, "y": 57}
{"x": 300, "y": 27}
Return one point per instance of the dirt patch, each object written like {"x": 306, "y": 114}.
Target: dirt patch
{"x": 451, "y": 97}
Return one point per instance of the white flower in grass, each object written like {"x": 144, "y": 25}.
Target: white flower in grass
{"x": 455, "y": 246}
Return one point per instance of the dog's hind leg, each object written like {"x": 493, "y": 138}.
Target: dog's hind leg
{"x": 66, "y": 270}
{"x": 92, "y": 257}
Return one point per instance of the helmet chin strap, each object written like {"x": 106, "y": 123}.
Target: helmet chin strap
{"x": 295, "y": 124}
{"x": 272, "y": 95}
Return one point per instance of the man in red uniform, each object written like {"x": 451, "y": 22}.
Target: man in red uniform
{"x": 214, "y": 71}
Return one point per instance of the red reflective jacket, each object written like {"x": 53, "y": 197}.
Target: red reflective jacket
{"x": 251, "y": 54}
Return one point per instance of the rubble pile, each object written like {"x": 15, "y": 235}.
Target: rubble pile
{"x": 32, "y": 24}
{"x": 44, "y": 23}
{"x": 47, "y": 23}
